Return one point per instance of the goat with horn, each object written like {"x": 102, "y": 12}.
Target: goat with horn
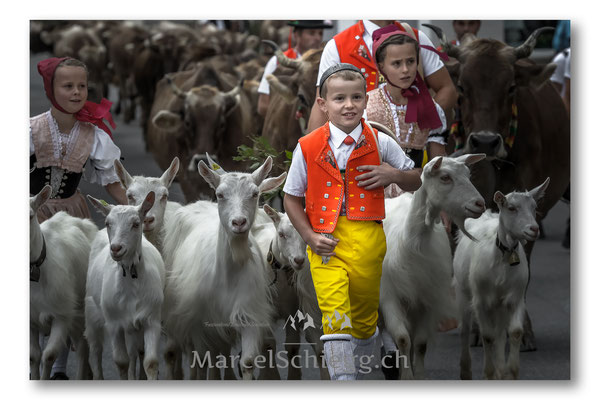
{"x": 509, "y": 110}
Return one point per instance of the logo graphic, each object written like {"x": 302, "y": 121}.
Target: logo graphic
{"x": 337, "y": 317}
{"x": 299, "y": 316}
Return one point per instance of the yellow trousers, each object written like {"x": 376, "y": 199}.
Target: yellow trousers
{"x": 347, "y": 286}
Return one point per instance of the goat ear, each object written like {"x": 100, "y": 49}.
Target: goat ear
{"x": 263, "y": 171}
{"x": 539, "y": 191}
{"x": 211, "y": 177}
{"x": 214, "y": 166}
{"x": 41, "y": 197}
{"x": 499, "y": 198}
{"x": 272, "y": 183}
{"x": 100, "y": 205}
{"x": 170, "y": 174}
{"x": 273, "y": 214}
{"x": 435, "y": 167}
{"x": 471, "y": 158}
{"x": 147, "y": 203}
{"x": 123, "y": 175}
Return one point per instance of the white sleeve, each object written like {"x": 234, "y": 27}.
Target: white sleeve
{"x": 392, "y": 153}
{"x": 430, "y": 60}
{"x": 442, "y": 115}
{"x": 297, "y": 177}
{"x": 559, "y": 73}
{"x": 271, "y": 66}
{"x": 102, "y": 158}
{"x": 329, "y": 57}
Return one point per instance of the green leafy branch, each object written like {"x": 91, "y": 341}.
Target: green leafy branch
{"x": 258, "y": 153}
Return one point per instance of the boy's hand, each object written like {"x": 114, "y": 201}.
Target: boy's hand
{"x": 321, "y": 245}
{"x": 377, "y": 176}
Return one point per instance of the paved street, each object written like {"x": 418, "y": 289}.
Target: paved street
{"x": 548, "y": 298}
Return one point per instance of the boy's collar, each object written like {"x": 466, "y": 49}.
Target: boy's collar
{"x": 337, "y": 136}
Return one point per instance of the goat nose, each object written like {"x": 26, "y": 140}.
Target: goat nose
{"x": 148, "y": 220}
{"x": 239, "y": 222}
{"x": 299, "y": 260}
{"x": 115, "y": 248}
{"x": 480, "y": 204}
{"x": 535, "y": 229}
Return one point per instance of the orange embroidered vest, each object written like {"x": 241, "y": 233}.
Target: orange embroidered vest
{"x": 326, "y": 187}
{"x": 352, "y": 49}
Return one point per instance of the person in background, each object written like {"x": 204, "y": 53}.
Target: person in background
{"x": 306, "y": 35}
{"x": 354, "y": 45}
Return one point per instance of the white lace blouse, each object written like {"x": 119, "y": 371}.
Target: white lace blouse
{"x": 102, "y": 157}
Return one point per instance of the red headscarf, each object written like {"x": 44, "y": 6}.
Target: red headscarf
{"x": 420, "y": 107}
{"x": 91, "y": 112}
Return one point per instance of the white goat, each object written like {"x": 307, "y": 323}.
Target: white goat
{"x": 155, "y": 230}
{"x": 417, "y": 270}
{"x": 138, "y": 187}
{"x": 285, "y": 252}
{"x": 491, "y": 276}
{"x": 125, "y": 285}
{"x": 218, "y": 290}
{"x": 58, "y": 253}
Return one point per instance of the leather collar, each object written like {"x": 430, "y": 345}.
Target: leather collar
{"x": 34, "y": 267}
{"x": 514, "y": 256}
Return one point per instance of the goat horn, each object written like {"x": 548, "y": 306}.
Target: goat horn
{"x": 524, "y": 50}
{"x": 282, "y": 58}
{"x": 181, "y": 94}
{"x": 450, "y": 49}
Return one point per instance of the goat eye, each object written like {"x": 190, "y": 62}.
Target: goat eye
{"x": 163, "y": 198}
{"x": 446, "y": 178}
{"x": 512, "y": 208}
{"x": 135, "y": 225}
{"x": 220, "y": 196}
{"x": 255, "y": 195}
{"x": 282, "y": 235}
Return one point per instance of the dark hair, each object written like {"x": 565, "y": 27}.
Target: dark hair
{"x": 346, "y": 75}
{"x": 395, "y": 39}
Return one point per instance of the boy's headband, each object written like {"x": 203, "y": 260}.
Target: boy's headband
{"x": 337, "y": 68}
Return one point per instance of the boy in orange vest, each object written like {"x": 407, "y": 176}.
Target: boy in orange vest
{"x": 341, "y": 169}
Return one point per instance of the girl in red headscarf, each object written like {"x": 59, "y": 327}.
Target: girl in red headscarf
{"x": 404, "y": 104}
{"x": 67, "y": 136}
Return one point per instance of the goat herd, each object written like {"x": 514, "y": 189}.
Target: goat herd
{"x": 210, "y": 276}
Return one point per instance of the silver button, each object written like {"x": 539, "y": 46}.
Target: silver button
{"x": 47, "y": 176}
{"x": 61, "y": 191}
{"x": 362, "y": 70}
{"x": 324, "y": 208}
{"x": 326, "y": 195}
{"x": 362, "y": 209}
{"x": 356, "y": 37}
{"x": 321, "y": 220}
{"x": 362, "y": 195}
{"x": 328, "y": 183}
